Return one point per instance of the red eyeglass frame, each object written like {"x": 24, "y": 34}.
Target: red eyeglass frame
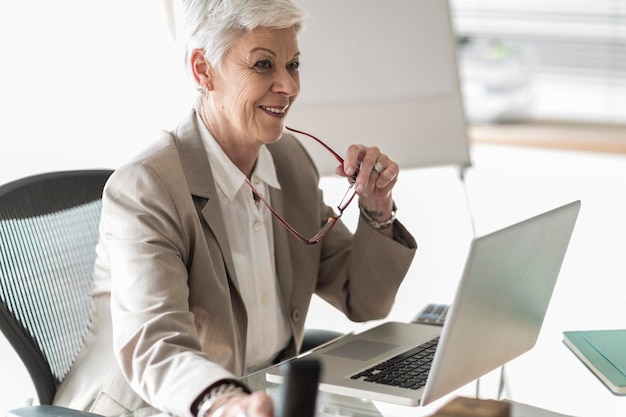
{"x": 332, "y": 220}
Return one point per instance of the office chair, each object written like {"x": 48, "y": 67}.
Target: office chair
{"x": 48, "y": 234}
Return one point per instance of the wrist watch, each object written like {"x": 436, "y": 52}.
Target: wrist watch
{"x": 217, "y": 391}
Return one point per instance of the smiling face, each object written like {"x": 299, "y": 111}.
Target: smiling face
{"x": 250, "y": 95}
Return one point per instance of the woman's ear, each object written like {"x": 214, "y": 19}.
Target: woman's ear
{"x": 201, "y": 70}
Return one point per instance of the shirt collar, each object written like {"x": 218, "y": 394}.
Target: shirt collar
{"x": 226, "y": 174}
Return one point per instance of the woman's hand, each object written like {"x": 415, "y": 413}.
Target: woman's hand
{"x": 257, "y": 404}
{"x": 376, "y": 177}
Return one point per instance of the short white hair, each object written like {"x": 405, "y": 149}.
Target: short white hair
{"x": 214, "y": 25}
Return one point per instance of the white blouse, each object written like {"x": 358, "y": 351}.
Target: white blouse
{"x": 251, "y": 243}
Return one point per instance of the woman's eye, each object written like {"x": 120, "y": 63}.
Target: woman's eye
{"x": 263, "y": 65}
{"x": 294, "y": 66}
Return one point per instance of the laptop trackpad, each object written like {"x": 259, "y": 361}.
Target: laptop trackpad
{"x": 360, "y": 350}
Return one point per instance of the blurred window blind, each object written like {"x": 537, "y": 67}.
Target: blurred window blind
{"x": 543, "y": 59}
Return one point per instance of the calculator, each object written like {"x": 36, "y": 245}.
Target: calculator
{"x": 434, "y": 314}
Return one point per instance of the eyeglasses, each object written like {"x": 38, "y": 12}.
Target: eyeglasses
{"x": 332, "y": 220}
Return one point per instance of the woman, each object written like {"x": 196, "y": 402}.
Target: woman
{"x": 196, "y": 282}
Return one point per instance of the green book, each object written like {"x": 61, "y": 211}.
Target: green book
{"x": 604, "y": 353}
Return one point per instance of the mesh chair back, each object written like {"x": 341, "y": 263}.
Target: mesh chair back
{"x": 48, "y": 234}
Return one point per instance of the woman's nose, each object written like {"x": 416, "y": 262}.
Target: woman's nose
{"x": 286, "y": 83}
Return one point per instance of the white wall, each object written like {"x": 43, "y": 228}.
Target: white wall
{"x": 77, "y": 91}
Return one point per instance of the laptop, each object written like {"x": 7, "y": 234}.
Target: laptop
{"x": 496, "y": 315}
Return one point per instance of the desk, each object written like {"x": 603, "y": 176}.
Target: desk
{"x": 337, "y": 405}
{"x": 548, "y": 377}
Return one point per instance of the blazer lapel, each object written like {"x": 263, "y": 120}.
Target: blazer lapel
{"x": 200, "y": 179}
{"x": 284, "y": 267}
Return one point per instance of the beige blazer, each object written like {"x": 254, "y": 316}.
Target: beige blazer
{"x": 165, "y": 282}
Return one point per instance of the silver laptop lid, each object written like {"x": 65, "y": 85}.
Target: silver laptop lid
{"x": 502, "y": 299}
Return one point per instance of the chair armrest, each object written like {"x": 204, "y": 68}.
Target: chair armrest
{"x": 48, "y": 411}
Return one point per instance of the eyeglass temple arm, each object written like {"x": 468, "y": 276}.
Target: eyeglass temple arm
{"x": 328, "y": 148}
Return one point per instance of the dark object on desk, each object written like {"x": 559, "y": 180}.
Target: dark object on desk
{"x": 604, "y": 353}
{"x": 49, "y": 230}
{"x": 472, "y": 407}
{"x": 298, "y": 394}
{"x": 314, "y": 338}
{"x": 434, "y": 314}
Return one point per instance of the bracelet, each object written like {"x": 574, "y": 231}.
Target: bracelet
{"x": 210, "y": 398}
{"x": 376, "y": 224}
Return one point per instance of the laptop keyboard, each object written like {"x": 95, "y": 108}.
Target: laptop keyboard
{"x": 407, "y": 370}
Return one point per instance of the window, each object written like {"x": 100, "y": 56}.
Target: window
{"x": 561, "y": 60}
